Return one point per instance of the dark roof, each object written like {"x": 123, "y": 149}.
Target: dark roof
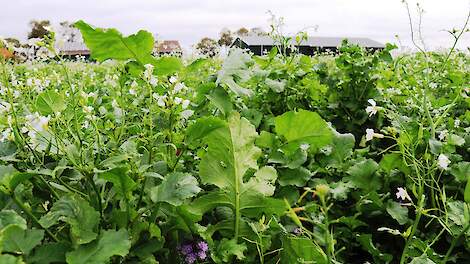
{"x": 168, "y": 46}
{"x": 323, "y": 42}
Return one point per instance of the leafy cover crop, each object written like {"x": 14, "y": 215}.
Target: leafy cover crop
{"x": 354, "y": 157}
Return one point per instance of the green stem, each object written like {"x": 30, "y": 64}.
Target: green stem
{"x": 33, "y": 218}
{"x": 413, "y": 228}
{"x": 454, "y": 242}
{"x": 328, "y": 240}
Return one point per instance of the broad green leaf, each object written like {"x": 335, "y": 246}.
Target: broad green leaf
{"x": 49, "y": 253}
{"x": 303, "y": 127}
{"x": 397, "y": 212}
{"x": 107, "y": 44}
{"x": 366, "y": 242}
{"x": 341, "y": 148}
{"x": 461, "y": 171}
{"x": 221, "y": 99}
{"x": 230, "y": 248}
{"x": 202, "y": 128}
{"x": 10, "y": 259}
{"x": 263, "y": 181}
{"x": 110, "y": 243}
{"x": 467, "y": 191}
{"x": 393, "y": 161}
{"x": 121, "y": 181}
{"x": 455, "y": 140}
{"x": 266, "y": 140}
{"x": 73, "y": 210}
{"x": 301, "y": 250}
{"x": 10, "y": 217}
{"x": 7, "y": 149}
{"x": 298, "y": 177}
{"x": 175, "y": 188}
{"x": 235, "y": 67}
{"x": 167, "y": 65}
{"x": 50, "y": 102}
{"x": 10, "y": 178}
{"x": 363, "y": 176}
{"x": 422, "y": 260}
{"x": 230, "y": 153}
{"x": 20, "y": 241}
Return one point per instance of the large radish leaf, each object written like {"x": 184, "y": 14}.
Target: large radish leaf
{"x": 82, "y": 218}
{"x": 175, "y": 188}
{"x": 230, "y": 154}
{"x": 110, "y": 243}
{"x": 303, "y": 127}
{"x": 107, "y": 44}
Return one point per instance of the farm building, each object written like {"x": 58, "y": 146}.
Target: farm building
{"x": 262, "y": 44}
{"x": 73, "y": 48}
{"x": 167, "y": 47}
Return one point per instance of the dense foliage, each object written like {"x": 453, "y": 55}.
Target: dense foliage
{"x": 354, "y": 157}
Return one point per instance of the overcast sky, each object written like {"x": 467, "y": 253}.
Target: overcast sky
{"x": 190, "y": 20}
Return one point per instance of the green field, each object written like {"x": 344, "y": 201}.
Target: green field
{"x": 347, "y": 157}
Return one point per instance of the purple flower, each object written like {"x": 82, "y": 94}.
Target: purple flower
{"x": 187, "y": 249}
{"x": 202, "y": 255}
{"x": 202, "y": 245}
{"x": 191, "y": 258}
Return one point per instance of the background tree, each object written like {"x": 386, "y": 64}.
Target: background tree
{"x": 38, "y": 28}
{"x": 207, "y": 46}
{"x": 13, "y": 41}
{"x": 242, "y": 32}
{"x": 226, "y": 37}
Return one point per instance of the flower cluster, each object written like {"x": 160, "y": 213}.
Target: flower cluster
{"x": 193, "y": 251}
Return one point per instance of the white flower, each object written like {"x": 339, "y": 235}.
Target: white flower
{"x": 173, "y": 79}
{"x": 456, "y": 122}
{"x": 35, "y": 123}
{"x": 102, "y": 110}
{"x": 187, "y": 114}
{"x": 7, "y": 134}
{"x": 178, "y": 100}
{"x": 153, "y": 80}
{"x": 373, "y": 108}
{"x": 443, "y": 161}
{"x": 389, "y": 230}
{"x": 87, "y": 109}
{"x": 148, "y": 71}
{"x": 403, "y": 194}
{"x": 442, "y": 134}
{"x": 4, "y": 107}
{"x": 132, "y": 92}
{"x": 370, "y": 134}
{"x": 160, "y": 99}
{"x": 185, "y": 104}
{"x": 179, "y": 87}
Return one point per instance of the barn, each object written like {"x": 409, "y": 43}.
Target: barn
{"x": 259, "y": 45}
